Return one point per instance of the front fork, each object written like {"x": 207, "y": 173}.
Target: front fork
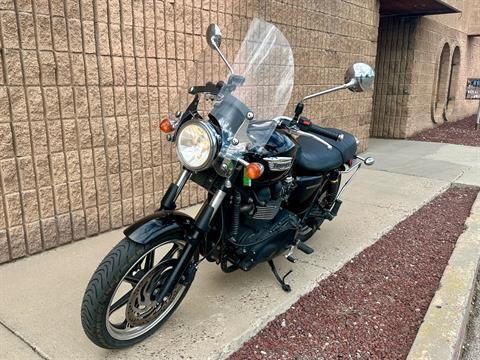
{"x": 200, "y": 228}
{"x": 174, "y": 190}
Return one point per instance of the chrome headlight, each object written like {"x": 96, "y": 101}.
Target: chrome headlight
{"x": 196, "y": 145}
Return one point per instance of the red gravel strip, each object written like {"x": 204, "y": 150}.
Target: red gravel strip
{"x": 460, "y": 132}
{"x": 373, "y": 306}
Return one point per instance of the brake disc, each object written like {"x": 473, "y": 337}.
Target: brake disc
{"x": 142, "y": 306}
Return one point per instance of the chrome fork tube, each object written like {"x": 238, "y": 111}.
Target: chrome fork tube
{"x": 207, "y": 212}
{"x": 217, "y": 200}
{"x": 174, "y": 190}
{"x": 181, "y": 181}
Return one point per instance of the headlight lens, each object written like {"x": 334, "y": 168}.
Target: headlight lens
{"x": 196, "y": 145}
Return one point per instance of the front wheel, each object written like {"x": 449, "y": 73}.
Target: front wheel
{"x": 120, "y": 307}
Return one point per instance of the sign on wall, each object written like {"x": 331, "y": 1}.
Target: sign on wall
{"x": 473, "y": 89}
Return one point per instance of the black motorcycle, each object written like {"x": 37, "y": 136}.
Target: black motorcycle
{"x": 271, "y": 180}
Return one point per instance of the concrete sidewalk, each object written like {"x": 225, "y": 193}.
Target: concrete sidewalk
{"x": 41, "y": 295}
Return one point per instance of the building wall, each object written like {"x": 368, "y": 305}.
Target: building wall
{"x": 474, "y": 19}
{"x": 420, "y": 95}
{"x": 83, "y": 85}
{"x": 430, "y": 105}
{"x": 393, "y": 80}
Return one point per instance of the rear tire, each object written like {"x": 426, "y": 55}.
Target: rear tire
{"x": 107, "y": 279}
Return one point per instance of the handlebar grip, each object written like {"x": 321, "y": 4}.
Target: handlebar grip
{"x": 306, "y": 125}
{"x": 327, "y": 133}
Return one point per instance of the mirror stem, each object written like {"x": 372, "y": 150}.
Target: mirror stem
{"x": 299, "y": 107}
{"x": 327, "y": 91}
{"x": 223, "y": 58}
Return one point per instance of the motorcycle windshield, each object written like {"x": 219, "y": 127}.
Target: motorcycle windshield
{"x": 259, "y": 90}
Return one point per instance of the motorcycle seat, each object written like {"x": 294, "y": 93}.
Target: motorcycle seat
{"x": 313, "y": 158}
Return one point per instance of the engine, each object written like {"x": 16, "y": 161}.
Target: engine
{"x": 262, "y": 240}
{"x": 260, "y": 228}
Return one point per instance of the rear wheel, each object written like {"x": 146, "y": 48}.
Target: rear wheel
{"x": 120, "y": 307}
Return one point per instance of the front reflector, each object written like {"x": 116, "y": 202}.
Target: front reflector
{"x": 166, "y": 126}
{"x": 254, "y": 170}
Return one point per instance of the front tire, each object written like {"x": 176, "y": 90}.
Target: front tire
{"x": 131, "y": 268}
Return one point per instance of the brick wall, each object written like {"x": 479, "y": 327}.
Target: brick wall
{"x": 414, "y": 67}
{"x": 393, "y": 67}
{"x": 83, "y": 84}
{"x": 474, "y": 19}
{"x": 430, "y": 84}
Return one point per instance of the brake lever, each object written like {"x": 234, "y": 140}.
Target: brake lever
{"x": 295, "y": 131}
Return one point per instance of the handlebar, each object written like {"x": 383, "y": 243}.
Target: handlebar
{"x": 306, "y": 125}
{"x": 296, "y": 131}
{"x": 209, "y": 88}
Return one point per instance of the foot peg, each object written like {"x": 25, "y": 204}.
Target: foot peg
{"x": 336, "y": 207}
{"x": 281, "y": 280}
{"x": 304, "y": 248}
{"x": 328, "y": 216}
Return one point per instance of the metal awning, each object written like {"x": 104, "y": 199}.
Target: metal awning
{"x": 416, "y": 7}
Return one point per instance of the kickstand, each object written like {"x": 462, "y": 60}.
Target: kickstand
{"x": 281, "y": 280}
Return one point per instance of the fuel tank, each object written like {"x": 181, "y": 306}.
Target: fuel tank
{"x": 277, "y": 157}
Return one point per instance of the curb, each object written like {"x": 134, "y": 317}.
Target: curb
{"x": 443, "y": 330}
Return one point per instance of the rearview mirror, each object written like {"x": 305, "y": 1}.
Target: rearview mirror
{"x": 214, "y": 39}
{"x": 359, "y": 77}
{"x": 214, "y": 36}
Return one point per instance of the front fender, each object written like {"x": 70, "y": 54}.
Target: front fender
{"x": 157, "y": 224}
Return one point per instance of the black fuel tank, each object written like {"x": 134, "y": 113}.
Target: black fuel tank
{"x": 280, "y": 146}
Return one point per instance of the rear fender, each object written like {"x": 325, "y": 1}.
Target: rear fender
{"x": 158, "y": 224}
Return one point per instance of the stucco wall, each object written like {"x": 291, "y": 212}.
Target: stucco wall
{"x": 83, "y": 85}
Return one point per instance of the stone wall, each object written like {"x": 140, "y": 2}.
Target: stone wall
{"x": 83, "y": 85}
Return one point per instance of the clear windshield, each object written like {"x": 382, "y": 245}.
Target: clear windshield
{"x": 265, "y": 60}
{"x": 263, "y": 63}
{"x": 263, "y": 83}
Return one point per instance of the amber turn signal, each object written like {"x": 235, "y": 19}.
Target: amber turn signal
{"x": 254, "y": 170}
{"x": 166, "y": 126}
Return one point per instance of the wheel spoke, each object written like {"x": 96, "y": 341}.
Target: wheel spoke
{"x": 123, "y": 325}
{"x": 171, "y": 252}
{"x": 120, "y": 302}
{"x": 149, "y": 259}
{"x": 134, "y": 279}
